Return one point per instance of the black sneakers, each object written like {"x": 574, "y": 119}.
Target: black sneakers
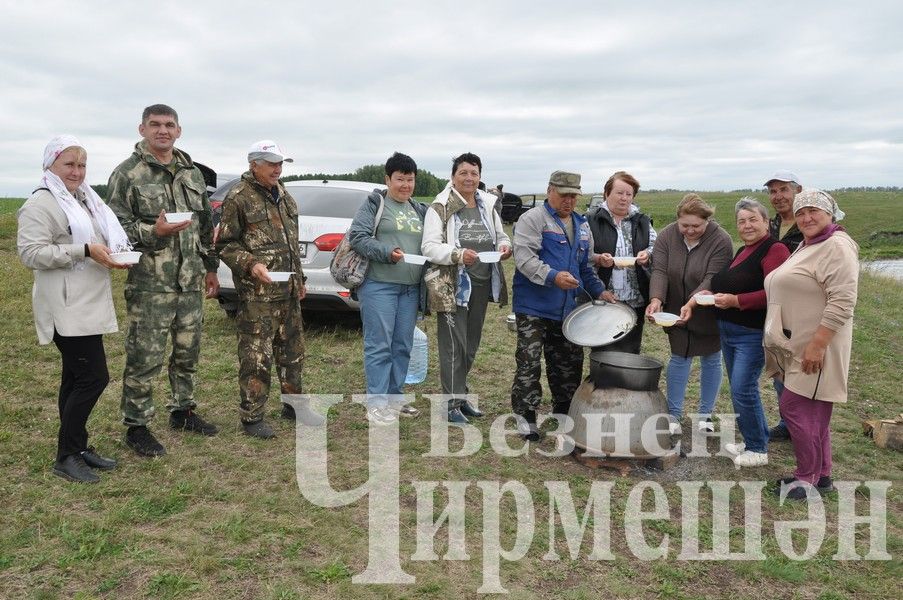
{"x": 74, "y": 468}
{"x": 778, "y": 432}
{"x": 142, "y": 441}
{"x": 188, "y": 420}
{"x": 258, "y": 429}
{"x": 823, "y": 486}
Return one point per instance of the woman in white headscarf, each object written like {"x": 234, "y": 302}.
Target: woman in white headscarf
{"x": 66, "y": 235}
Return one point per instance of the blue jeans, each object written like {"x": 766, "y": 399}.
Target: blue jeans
{"x": 744, "y": 359}
{"x": 679, "y": 375}
{"x": 389, "y": 314}
{"x": 778, "y": 390}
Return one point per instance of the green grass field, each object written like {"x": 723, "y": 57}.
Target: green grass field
{"x": 223, "y": 517}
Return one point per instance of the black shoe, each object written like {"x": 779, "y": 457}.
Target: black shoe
{"x": 74, "y": 468}
{"x": 288, "y": 411}
{"x": 142, "y": 441}
{"x": 561, "y": 409}
{"x": 824, "y": 485}
{"x": 259, "y": 429}
{"x": 96, "y": 461}
{"x": 468, "y": 410}
{"x": 188, "y": 420}
{"x": 456, "y": 417}
{"x": 778, "y": 433}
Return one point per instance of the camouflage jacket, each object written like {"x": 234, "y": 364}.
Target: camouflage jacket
{"x": 139, "y": 188}
{"x": 257, "y": 229}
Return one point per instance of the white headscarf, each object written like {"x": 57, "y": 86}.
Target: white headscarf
{"x": 79, "y": 221}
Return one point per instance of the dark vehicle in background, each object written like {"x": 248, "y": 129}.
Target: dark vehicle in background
{"x": 513, "y": 206}
{"x": 325, "y": 211}
{"x": 595, "y": 203}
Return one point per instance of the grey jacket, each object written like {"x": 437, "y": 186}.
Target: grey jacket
{"x": 74, "y": 301}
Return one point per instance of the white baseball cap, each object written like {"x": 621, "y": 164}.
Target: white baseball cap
{"x": 785, "y": 176}
{"x": 267, "y": 150}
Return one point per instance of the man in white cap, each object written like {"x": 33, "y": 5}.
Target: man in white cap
{"x": 782, "y": 188}
{"x": 259, "y": 237}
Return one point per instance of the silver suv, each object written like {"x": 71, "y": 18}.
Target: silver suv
{"x": 325, "y": 211}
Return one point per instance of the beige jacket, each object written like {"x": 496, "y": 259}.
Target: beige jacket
{"x": 75, "y": 302}
{"x": 816, "y": 286}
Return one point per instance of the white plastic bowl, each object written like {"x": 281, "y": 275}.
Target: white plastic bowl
{"x": 280, "y": 275}
{"x": 415, "y": 259}
{"x": 126, "y": 258}
{"x": 625, "y": 261}
{"x": 489, "y": 256}
{"x": 705, "y": 299}
{"x": 665, "y": 319}
{"x": 178, "y": 217}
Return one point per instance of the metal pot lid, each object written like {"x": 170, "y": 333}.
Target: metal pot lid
{"x": 598, "y": 323}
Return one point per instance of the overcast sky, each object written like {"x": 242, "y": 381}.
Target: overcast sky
{"x": 702, "y": 95}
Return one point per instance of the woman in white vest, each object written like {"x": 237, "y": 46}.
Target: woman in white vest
{"x": 463, "y": 237}
{"x": 65, "y": 237}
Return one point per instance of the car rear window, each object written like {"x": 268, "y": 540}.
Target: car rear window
{"x": 327, "y": 202}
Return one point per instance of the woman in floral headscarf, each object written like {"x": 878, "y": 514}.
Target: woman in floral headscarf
{"x": 65, "y": 236}
{"x": 808, "y": 335}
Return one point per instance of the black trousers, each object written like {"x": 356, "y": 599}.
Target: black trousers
{"x": 83, "y": 379}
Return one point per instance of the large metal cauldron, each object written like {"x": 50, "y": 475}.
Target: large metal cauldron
{"x": 624, "y": 370}
{"x": 621, "y": 384}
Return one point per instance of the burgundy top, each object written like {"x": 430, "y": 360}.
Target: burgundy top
{"x": 773, "y": 259}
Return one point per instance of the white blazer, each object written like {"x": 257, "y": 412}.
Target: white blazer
{"x": 75, "y": 302}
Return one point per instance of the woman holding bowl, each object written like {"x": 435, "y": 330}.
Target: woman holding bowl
{"x": 687, "y": 254}
{"x": 65, "y": 237}
{"x": 390, "y": 294}
{"x": 623, "y": 239}
{"x": 464, "y": 238}
{"x": 808, "y": 335}
{"x": 739, "y": 293}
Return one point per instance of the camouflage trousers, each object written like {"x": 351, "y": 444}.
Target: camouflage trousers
{"x": 152, "y": 318}
{"x": 268, "y": 332}
{"x": 538, "y": 337}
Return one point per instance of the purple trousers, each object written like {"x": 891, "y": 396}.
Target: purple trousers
{"x": 808, "y": 422}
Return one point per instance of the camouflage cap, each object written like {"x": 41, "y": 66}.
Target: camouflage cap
{"x": 565, "y": 183}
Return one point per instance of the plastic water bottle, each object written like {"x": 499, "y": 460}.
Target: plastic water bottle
{"x": 419, "y": 358}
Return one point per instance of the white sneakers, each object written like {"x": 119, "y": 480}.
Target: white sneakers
{"x": 707, "y": 426}
{"x": 674, "y": 428}
{"x": 744, "y": 457}
{"x": 406, "y": 410}
{"x": 751, "y": 459}
{"x": 381, "y": 415}
{"x": 735, "y": 450}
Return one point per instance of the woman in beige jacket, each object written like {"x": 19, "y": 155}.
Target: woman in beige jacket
{"x": 808, "y": 335}
{"x": 65, "y": 235}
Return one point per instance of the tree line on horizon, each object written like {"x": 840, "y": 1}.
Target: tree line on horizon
{"x": 426, "y": 183}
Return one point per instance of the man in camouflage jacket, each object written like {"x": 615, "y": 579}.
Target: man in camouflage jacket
{"x": 258, "y": 235}
{"x": 164, "y": 291}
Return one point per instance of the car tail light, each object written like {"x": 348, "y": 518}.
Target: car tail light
{"x": 345, "y": 294}
{"x": 328, "y": 241}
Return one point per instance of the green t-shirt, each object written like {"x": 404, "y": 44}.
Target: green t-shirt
{"x": 473, "y": 234}
{"x": 399, "y": 227}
